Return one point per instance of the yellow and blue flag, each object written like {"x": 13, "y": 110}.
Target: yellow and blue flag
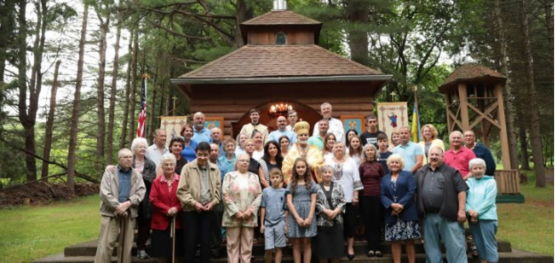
{"x": 415, "y": 128}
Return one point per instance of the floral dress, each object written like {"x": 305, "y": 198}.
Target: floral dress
{"x": 240, "y": 194}
{"x": 301, "y": 202}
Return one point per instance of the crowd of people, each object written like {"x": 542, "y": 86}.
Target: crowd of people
{"x": 285, "y": 186}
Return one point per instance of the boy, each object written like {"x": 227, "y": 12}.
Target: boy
{"x": 383, "y": 153}
{"x": 273, "y": 216}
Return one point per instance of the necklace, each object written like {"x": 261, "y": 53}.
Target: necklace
{"x": 303, "y": 151}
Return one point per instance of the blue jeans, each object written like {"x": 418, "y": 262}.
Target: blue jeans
{"x": 452, "y": 233}
{"x": 483, "y": 233}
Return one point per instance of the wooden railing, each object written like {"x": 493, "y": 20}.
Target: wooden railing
{"x": 508, "y": 182}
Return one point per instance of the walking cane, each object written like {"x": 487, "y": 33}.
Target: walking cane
{"x": 172, "y": 235}
{"x": 123, "y": 226}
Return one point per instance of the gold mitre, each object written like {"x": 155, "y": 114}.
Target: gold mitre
{"x": 302, "y": 127}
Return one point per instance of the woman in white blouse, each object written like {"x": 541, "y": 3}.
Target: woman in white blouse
{"x": 345, "y": 172}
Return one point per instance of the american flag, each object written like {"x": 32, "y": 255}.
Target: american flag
{"x": 141, "y": 128}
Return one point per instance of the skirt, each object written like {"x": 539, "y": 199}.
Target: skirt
{"x": 329, "y": 242}
{"x": 162, "y": 243}
{"x": 402, "y": 230}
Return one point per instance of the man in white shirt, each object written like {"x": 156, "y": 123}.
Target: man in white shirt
{"x": 292, "y": 118}
{"x": 255, "y": 125}
{"x": 158, "y": 148}
{"x": 335, "y": 127}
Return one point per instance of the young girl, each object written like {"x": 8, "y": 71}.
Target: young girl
{"x": 329, "y": 141}
{"x": 301, "y": 201}
{"x": 355, "y": 149}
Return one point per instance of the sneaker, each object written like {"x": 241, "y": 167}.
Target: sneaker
{"x": 142, "y": 254}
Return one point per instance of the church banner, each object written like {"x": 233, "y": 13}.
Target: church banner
{"x": 172, "y": 125}
{"x": 392, "y": 116}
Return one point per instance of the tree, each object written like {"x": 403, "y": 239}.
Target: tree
{"x": 537, "y": 154}
{"x": 50, "y": 123}
{"x": 113, "y": 89}
{"x": 76, "y": 104}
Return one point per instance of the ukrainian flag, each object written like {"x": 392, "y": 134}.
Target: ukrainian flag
{"x": 415, "y": 129}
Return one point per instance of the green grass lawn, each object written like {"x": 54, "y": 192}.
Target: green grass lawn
{"x": 28, "y": 233}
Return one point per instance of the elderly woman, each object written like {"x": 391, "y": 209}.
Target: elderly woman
{"x": 346, "y": 173}
{"x": 166, "y": 207}
{"x": 226, "y": 162}
{"x": 198, "y": 192}
{"x": 401, "y": 216}
{"x": 330, "y": 205}
{"x": 371, "y": 174}
{"x": 189, "y": 145}
{"x": 429, "y": 134}
{"x": 301, "y": 149}
{"x": 147, "y": 168}
{"x": 284, "y": 145}
{"x": 242, "y": 195}
{"x": 240, "y": 149}
{"x": 481, "y": 209}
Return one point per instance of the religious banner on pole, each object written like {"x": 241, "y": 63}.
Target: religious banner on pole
{"x": 172, "y": 125}
{"x": 392, "y": 116}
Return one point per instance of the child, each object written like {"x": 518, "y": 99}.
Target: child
{"x": 273, "y": 216}
{"x": 383, "y": 152}
{"x": 301, "y": 201}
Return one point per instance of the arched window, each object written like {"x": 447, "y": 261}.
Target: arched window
{"x": 281, "y": 38}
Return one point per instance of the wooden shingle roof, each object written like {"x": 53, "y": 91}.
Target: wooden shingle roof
{"x": 470, "y": 72}
{"x": 270, "y": 61}
{"x": 284, "y": 17}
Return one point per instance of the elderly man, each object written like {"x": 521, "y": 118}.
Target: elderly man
{"x": 121, "y": 191}
{"x": 372, "y": 132}
{"x": 458, "y": 156}
{"x": 248, "y": 129}
{"x": 480, "y": 150}
{"x": 200, "y": 133}
{"x": 292, "y": 118}
{"x": 441, "y": 202}
{"x": 318, "y": 140}
{"x": 335, "y": 125}
{"x": 158, "y": 148}
{"x": 282, "y": 131}
{"x": 199, "y": 192}
{"x": 411, "y": 152}
{"x": 216, "y": 137}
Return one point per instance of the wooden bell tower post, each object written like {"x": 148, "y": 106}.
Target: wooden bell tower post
{"x": 474, "y": 101}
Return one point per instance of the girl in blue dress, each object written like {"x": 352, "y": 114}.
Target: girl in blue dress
{"x": 301, "y": 201}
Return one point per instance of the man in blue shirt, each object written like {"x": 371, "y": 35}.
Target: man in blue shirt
{"x": 200, "y": 133}
{"x": 216, "y": 138}
{"x": 480, "y": 150}
{"x": 282, "y": 131}
{"x": 411, "y": 152}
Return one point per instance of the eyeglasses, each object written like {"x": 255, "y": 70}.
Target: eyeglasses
{"x": 245, "y": 161}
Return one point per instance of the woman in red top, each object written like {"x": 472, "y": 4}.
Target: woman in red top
{"x": 165, "y": 206}
{"x": 371, "y": 173}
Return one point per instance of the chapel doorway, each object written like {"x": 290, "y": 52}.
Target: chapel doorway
{"x": 305, "y": 113}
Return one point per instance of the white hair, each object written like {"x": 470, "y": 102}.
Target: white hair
{"x": 476, "y": 161}
{"x": 138, "y": 141}
{"x": 168, "y": 157}
{"x": 123, "y": 151}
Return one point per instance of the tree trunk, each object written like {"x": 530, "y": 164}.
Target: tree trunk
{"x": 507, "y": 91}
{"x": 76, "y": 104}
{"x": 122, "y": 142}
{"x": 133, "y": 95}
{"x": 26, "y": 120}
{"x": 101, "y": 128}
{"x": 524, "y": 149}
{"x": 152, "y": 109}
{"x": 535, "y": 134}
{"x": 113, "y": 89}
{"x": 357, "y": 14}
{"x": 244, "y": 13}
{"x": 50, "y": 123}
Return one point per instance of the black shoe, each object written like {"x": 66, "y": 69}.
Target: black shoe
{"x": 350, "y": 256}
{"x": 378, "y": 254}
{"x": 370, "y": 253}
